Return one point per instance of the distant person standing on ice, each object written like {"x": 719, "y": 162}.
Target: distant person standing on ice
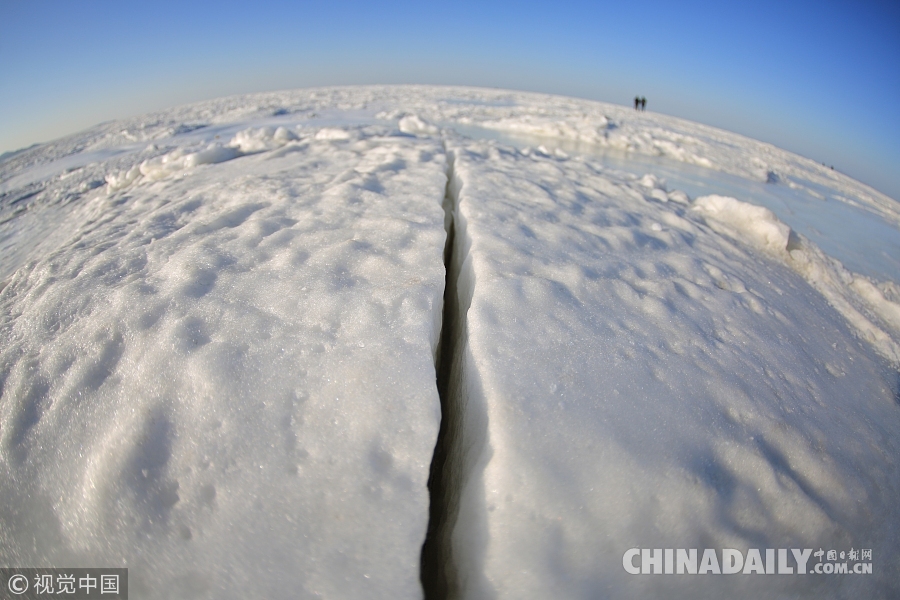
{"x": 643, "y": 103}
{"x": 637, "y": 103}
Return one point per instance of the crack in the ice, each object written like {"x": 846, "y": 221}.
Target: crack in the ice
{"x": 453, "y": 552}
{"x": 435, "y": 552}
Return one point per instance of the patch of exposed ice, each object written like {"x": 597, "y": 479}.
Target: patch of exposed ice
{"x": 853, "y": 295}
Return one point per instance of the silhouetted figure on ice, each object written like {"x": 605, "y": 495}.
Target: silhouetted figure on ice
{"x": 643, "y": 103}
{"x": 637, "y": 103}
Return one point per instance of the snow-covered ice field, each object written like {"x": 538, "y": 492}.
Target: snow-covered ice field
{"x": 227, "y": 350}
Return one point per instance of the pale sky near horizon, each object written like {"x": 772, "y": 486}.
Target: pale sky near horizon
{"x": 818, "y": 78}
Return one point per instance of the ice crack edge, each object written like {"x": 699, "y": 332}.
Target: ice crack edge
{"x": 453, "y": 552}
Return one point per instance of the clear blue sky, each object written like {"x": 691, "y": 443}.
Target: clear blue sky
{"x": 819, "y": 78}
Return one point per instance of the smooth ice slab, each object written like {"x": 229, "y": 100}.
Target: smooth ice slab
{"x": 223, "y": 375}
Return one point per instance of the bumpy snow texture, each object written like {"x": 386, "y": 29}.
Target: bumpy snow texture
{"x": 223, "y": 327}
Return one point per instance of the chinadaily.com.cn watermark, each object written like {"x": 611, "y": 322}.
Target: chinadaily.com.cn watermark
{"x": 101, "y": 583}
{"x": 728, "y": 561}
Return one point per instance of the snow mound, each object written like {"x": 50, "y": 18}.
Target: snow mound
{"x": 416, "y": 126}
{"x": 757, "y": 224}
{"x": 592, "y": 132}
{"x": 260, "y": 140}
{"x": 170, "y": 164}
{"x": 332, "y": 134}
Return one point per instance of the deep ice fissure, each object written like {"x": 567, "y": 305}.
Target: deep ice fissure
{"x": 450, "y": 560}
{"x": 433, "y": 570}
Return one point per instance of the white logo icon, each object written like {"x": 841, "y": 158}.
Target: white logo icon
{"x": 18, "y": 584}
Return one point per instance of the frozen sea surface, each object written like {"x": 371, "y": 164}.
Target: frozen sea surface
{"x": 229, "y": 372}
{"x": 632, "y": 380}
{"x": 863, "y": 241}
{"x": 225, "y": 331}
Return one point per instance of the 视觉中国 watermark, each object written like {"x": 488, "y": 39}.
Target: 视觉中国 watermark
{"x": 728, "y": 561}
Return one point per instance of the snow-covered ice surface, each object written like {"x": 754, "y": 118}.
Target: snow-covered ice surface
{"x": 223, "y": 378}
{"x": 643, "y": 382}
{"x": 221, "y": 325}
